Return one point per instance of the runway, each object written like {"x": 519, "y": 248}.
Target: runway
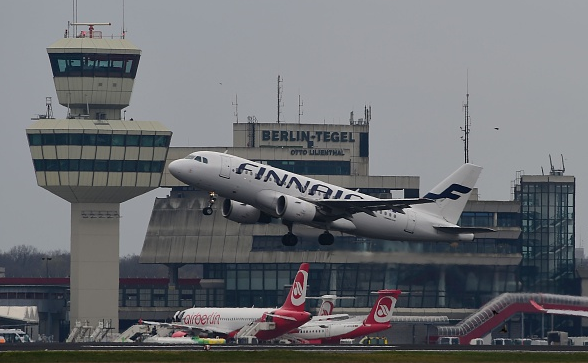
{"x": 291, "y": 347}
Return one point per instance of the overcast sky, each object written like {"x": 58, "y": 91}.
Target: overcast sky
{"x": 409, "y": 60}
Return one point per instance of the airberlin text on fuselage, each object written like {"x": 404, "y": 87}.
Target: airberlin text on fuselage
{"x": 201, "y": 319}
{"x": 285, "y": 181}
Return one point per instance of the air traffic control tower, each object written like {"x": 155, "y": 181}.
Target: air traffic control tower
{"x": 95, "y": 159}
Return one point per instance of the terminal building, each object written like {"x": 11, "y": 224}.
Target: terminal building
{"x": 96, "y": 159}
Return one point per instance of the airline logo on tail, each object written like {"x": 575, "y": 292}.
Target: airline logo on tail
{"x": 326, "y": 308}
{"x": 384, "y": 310}
{"x": 299, "y": 288}
{"x": 449, "y": 192}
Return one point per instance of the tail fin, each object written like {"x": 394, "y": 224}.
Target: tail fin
{"x": 328, "y": 303}
{"x": 381, "y": 312}
{"x": 297, "y": 295}
{"x": 326, "y": 307}
{"x": 452, "y": 193}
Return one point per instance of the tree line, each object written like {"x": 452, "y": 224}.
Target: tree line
{"x": 28, "y": 261}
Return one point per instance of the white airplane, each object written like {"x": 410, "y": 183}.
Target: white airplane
{"x": 255, "y": 192}
{"x": 332, "y": 331}
{"x": 228, "y": 321}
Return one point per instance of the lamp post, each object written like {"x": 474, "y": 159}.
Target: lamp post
{"x": 46, "y": 259}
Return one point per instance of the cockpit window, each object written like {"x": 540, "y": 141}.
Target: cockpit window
{"x": 190, "y": 157}
{"x": 198, "y": 158}
{"x": 205, "y": 160}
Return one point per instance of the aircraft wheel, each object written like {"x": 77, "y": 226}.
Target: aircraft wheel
{"x": 326, "y": 239}
{"x": 289, "y": 240}
{"x": 207, "y": 211}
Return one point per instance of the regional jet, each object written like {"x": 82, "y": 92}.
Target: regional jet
{"x": 332, "y": 331}
{"x": 255, "y": 193}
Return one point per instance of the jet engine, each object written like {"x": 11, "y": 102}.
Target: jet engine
{"x": 243, "y": 213}
{"x": 294, "y": 209}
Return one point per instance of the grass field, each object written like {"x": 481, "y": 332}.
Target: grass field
{"x": 289, "y": 356}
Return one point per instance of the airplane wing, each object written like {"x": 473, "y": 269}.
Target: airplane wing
{"x": 352, "y": 206}
{"x": 559, "y": 311}
{"x": 282, "y": 316}
{"x": 458, "y": 230}
{"x": 330, "y": 317}
{"x": 204, "y": 328}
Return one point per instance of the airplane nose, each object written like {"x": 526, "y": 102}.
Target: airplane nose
{"x": 174, "y": 168}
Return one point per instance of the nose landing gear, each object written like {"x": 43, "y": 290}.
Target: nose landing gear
{"x": 211, "y": 199}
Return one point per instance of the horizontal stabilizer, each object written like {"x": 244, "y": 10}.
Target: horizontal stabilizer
{"x": 458, "y": 230}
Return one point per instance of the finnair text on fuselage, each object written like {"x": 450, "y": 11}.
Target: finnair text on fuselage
{"x": 303, "y": 185}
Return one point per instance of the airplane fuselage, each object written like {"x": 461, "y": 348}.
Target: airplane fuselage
{"x": 260, "y": 185}
{"x": 332, "y": 332}
{"x": 221, "y": 319}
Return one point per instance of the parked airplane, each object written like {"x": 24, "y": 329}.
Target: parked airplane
{"x": 256, "y": 192}
{"x": 332, "y": 331}
{"x": 228, "y": 321}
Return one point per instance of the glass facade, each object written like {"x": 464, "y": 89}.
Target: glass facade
{"x": 129, "y": 166}
{"x": 426, "y": 286}
{"x": 88, "y": 139}
{"x": 312, "y": 167}
{"x": 94, "y": 65}
{"x": 547, "y": 234}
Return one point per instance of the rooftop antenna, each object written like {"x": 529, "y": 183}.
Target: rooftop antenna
{"x": 236, "y": 114}
{"x": 280, "y": 89}
{"x": 300, "y": 112}
{"x": 555, "y": 171}
{"x": 49, "y": 108}
{"x": 467, "y": 122}
{"x": 124, "y": 31}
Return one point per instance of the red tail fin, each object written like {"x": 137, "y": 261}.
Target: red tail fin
{"x": 297, "y": 295}
{"x": 381, "y": 312}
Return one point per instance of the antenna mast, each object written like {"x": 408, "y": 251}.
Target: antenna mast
{"x": 280, "y": 89}
{"x": 300, "y": 112}
{"x": 467, "y": 123}
{"x": 124, "y": 31}
{"x": 236, "y": 108}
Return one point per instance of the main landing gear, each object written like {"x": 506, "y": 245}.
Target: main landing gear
{"x": 290, "y": 239}
{"x": 326, "y": 239}
{"x": 211, "y": 199}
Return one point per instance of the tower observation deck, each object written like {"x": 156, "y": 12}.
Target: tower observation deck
{"x": 96, "y": 160}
